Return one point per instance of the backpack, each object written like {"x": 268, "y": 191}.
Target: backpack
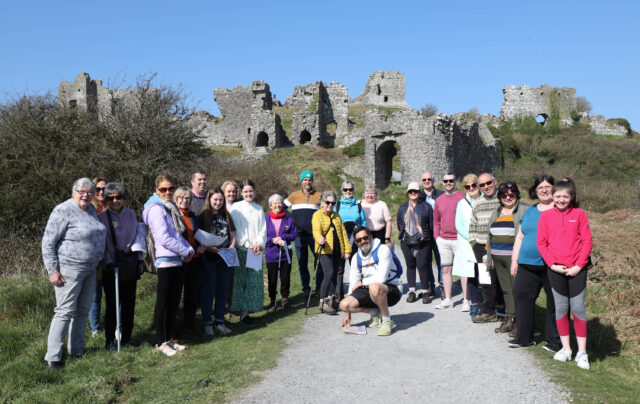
{"x": 150, "y": 256}
{"x": 395, "y": 258}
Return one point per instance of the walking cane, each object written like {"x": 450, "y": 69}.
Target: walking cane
{"x": 118, "y": 325}
{"x": 277, "y": 272}
{"x": 315, "y": 274}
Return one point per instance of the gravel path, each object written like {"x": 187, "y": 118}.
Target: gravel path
{"x": 433, "y": 355}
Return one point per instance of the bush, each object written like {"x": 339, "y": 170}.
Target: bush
{"x": 428, "y": 110}
{"x": 583, "y": 105}
{"x": 45, "y": 147}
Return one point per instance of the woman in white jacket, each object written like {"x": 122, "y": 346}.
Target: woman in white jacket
{"x": 251, "y": 234}
{"x": 464, "y": 262}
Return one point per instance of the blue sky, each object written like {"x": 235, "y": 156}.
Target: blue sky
{"x": 456, "y": 54}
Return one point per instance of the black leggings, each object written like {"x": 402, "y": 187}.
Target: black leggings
{"x": 526, "y": 288}
{"x": 329, "y": 265}
{"x": 170, "y": 282}
{"x": 285, "y": 273}
{"x": 421, "y": 260}
{"x": 127, "y": 297}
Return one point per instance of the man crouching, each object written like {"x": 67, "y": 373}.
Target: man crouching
{"x": 373, "y": 282}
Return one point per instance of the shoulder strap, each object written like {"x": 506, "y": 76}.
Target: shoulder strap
{"x": 359, "y": 208}
{"x": 338, "y": 207}
{"x": 470, "y": 205}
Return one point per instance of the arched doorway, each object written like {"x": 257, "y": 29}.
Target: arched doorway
{"x": 262, "y": 140}
{"x": 305, "y": 137}
{"x": 385, "y": 154}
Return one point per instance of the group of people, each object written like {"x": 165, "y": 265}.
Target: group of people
{"x": 485, "y": 235}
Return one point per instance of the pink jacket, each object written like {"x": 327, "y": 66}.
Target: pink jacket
{"x": 564, "y": 237}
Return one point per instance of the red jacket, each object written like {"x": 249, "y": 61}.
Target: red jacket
{"x": 564, "y": 237}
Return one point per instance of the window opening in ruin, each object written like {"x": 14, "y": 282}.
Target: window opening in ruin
{"x": 386, "y": 98}
{"x": 262, "y": 140}
{"x": 305, "y": 137}
{"x": 542, "y": 119}
{"x": 73, "y": 103}
{"x": 387, "y": 161}
{"x": 379, "y": 90}
{"x": 248, "y": 131}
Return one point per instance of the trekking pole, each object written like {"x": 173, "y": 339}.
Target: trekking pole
{"x": 315, "y": 275}
{"x": 118, "y": 325}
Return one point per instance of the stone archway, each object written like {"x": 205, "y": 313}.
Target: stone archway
{"x": 384, "y": 163}
{"x": 305, "y": 137}
{"x": 262, "y": 140}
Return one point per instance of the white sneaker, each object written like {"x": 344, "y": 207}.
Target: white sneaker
{"x": 166, "y": 349}
{"x": 95, "y": 333}
{"x": 208, "y": 329}
{"x": 582, "y": 360}
{"x": 465, "y": 306}
{"x": 563, "y": 355}
{"x": 222, "y": 329}
{"x": 445, "y": 304}
{"x": 175, "y": 346}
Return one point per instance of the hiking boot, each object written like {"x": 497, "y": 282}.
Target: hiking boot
{"x": 376, "y": 320}
{"x": 327, "y": 306}
{"x": 55, "y": 365}
{"x": 284, "y": 302}
{"x": 385, "y": 328}
{"x": 582, "y": 360}
{"x": 222, "y": 329}
{"x": 445, "y": 304}
{"x": 426, "y": 297}
{"x": 485, "y": 318}
{"x": 514, "y": 329}
{"x": 208, "y": 329}
{"x": 563, "y": 355}
{"x": 272, "y": 308}
{"x": 506, "y": 325}
{"x": 411, "y": 297}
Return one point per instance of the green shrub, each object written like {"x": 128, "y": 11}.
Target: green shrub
{"x": 354, "y": 150}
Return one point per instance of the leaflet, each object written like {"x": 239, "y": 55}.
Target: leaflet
{"x": 230, "y": 257}
{"x": 254, "y": 261}
{"x": 208, "y": 239}
{"x": 140, "y": 242}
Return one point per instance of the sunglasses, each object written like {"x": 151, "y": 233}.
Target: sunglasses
{"x": 185, "y": 198}
{"x": 347, "y": 190}
{"x": 164, "y": 190}
{"x": 485, "y": 184}
{"x": 361, "y": 239}
{"x": 448, "y": 181}
{"x": 468, "y": 187}
{"x": 99, "y": 189}
{"x": 330, "y": 202}
{"x": 413, "y": 191}
{"x": 427, "y": 179}
{"x": 508, "y": 196}
{"x": 115, "y": 198}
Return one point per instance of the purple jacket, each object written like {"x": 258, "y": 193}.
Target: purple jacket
{"x": 125, "y": 233}
{"x": 287, "y": 232}
{"x": 170, "y": 245}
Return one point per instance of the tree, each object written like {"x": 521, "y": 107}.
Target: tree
{"x": 583, "y": 105}
{"x": 428, "y": 110}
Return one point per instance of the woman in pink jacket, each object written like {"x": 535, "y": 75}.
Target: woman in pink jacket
{"x": 564, "y": 242}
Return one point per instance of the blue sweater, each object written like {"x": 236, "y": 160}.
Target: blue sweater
{"x": 529, "y": 254}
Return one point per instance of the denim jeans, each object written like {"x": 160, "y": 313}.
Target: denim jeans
{"x": 94, "y": 312}
{"x": 303, "y": 244}
{"x": 215, "y": 284}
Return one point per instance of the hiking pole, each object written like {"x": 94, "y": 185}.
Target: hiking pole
{"x": 118, "y": 325}
{"x": 315, "y": 275}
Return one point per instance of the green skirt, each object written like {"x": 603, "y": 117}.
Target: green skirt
{"x": 248, "y": 286}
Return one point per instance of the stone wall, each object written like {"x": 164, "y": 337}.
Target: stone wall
{"x": 534, "y": 101}
{"x": 438, "y": 144}
{"x": 385, "y": 89}
{"x": 600, "y": 126}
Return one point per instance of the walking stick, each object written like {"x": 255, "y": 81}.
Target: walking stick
{"x": 118, "y": 325}
{"x": 315, "y": 274}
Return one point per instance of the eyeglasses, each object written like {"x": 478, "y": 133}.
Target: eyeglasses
{"x": 468, "y": 187}
{"x": 412, "y": 191}
{"x": 508, "y": 196}
{"x": 361, "y": 239}
{"x": 185, "y": 198}
{"x": 83, "y": 193}
{"x": 164, "y": 190}
{"x": 485, "y": 184}
{"x": 99, "y": 189}
{"x": 544, "y": 188}
{"x": 330, "y": 202}
{"x": 115, "y": 198}
{"x": 448, "y": 181}
{"x": 427, "y": 179}
{"x": 347, "y": 190}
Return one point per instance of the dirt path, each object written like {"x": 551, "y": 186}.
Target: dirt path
{"x": 432, "y": 356}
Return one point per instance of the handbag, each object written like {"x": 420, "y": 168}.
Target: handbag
{"x": 411, "y": 241}
{"x": 127, "y": 262}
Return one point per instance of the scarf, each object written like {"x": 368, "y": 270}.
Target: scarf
{"x": 412, "y": 221}
{"x": 276, "y": 215}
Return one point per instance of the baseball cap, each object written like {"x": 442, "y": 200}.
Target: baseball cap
{"x": 413, "y": 186}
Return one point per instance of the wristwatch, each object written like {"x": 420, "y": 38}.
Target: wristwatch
{"x": 387, "y": 239}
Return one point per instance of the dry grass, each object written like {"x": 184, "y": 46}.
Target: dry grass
{"x": 614, "y": 296}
